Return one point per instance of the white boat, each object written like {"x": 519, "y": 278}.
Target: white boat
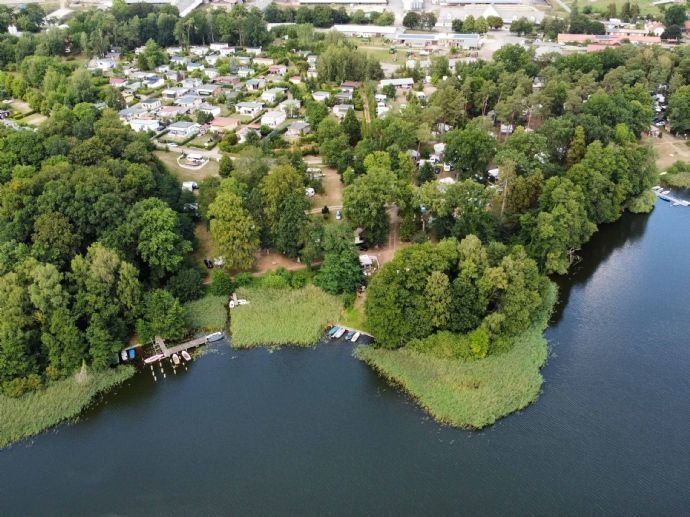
{"x": 216, "y": 336}
{"x": 355, "y": 337}
{"x": 186, "y": 356}
{"x": 123, "y": 355}
{"x": 339, "y": 334}
{"x": 176, "y": 359}
{"x": 153, "y": 358}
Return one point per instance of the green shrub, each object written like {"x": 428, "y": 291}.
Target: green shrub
{"x": 299, "y": 279}
{"x": 274, "y": 280}
{"x": 221, "y": 283}
{"x": 187, "y": 285}
{"x": 243, "y": 280}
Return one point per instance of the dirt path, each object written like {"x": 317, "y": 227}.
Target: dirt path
{"x": 271, "y": 261}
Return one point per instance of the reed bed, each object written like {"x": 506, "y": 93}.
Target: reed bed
{"x": 282, "y": 316}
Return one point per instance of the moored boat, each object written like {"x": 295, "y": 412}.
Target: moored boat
{"x": 349, "y": 335}
{"x": 153, "y": 358}
{"x": 176, "y": 359}
{"x": 355, "y": 337}
{"x": 216, "y": 336}
{"x": 123, "y": 355}
{"x": 186, "y": 356}
{"x": 333, "y": 331}
{"x": 339, "y": 334}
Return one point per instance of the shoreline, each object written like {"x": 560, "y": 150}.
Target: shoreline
{"x": 469, "y": 394}
{"x": 59, "y": 402}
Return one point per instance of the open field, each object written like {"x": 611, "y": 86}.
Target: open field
{"x": 646, "y": 6}
{"x": 207, "y": 313}
{"x": 471, "y": 394}
{"x": 60, "y": 401}
{"x": 170, "y": 161}
{"x": 669, "y": 150}
{"x": 282, "y": 316}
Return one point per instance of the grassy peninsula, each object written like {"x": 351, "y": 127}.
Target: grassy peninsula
{"x": 62, "y": 400}
{"x": 470, "y": 393}
{"x": 282, "y": 316}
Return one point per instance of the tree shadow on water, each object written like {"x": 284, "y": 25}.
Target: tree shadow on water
{"x": 627, "y": 230}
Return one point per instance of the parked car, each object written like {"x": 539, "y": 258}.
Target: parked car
{"x": 208, "y": 263}
{"x": 338, "y": 215}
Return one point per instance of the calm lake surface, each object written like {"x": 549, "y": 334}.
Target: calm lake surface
{"x": 316, "y": 432}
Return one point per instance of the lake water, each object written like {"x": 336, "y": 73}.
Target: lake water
{"x": 316, "y": 432}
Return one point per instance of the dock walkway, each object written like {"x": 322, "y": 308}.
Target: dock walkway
{"x": 187, "y": 345}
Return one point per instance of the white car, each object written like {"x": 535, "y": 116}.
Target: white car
{"x": 338, "y": 215}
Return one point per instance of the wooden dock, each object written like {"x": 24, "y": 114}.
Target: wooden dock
{"x": 167, "y": 351}
{"x": 665, "y": 196}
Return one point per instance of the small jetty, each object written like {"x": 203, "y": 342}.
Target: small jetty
{"x": 350, "y": 334}
{"x": 665, "y": 195}
{"x": 160, "y": 348}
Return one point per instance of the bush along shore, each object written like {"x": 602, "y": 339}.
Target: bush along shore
{"x": 59, "y": 401}
{"x": 470, "y": 393}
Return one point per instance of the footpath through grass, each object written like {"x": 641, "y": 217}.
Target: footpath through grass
{"x": 62, "y": 400}
{"x": 470, "y": 394}
{"x": 282, "y": 316}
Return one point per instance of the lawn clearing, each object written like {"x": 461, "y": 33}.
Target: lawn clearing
{"x": 207, "y": 313}
{"x": 60, "y": 401}
{"x": 282, "y": 316}
{"x": 170, "y": 160}
{"x": 470, "y": 394}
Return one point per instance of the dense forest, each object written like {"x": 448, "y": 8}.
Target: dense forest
{"x": 90, "y": 229}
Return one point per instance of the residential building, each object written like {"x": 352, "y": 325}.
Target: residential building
{"x": 403, "y": 82}
{"x": 321, "y": 96}
{"x": 244, "y": 72}
{"x": 227, "y": 80}
{"x": 263, "y": 61}
{"x": 183, "y": 129}
{"x": 222, "y": 124}
{"x": 117, "y": 82}
{"x": 210, "y": 109}
{"x": 170, "y": 112}
{"x": 189, "y": 102}
{"x": 145, "y": 125}
{"x": 271, "y": 96}
{"x": 298, "y": 129}
{"x": 251, "y": 109}
{"x": 256, "y": 84}
{"x": 174, "y": 93}
{"x": 245, "y": 131}
{"x": 150, "y": 104}
{"x": 340, "y": 110}
{"x": 211, "y": 73}
{"x": 280, "y": 70}
{"x": 128, "y": 114}
{"x": 273, "y": 119}
{"x": 207, "y": 90}
{"x": 191, "y": 82}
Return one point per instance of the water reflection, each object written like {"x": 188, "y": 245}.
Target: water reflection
{"x": 628, "y": 230}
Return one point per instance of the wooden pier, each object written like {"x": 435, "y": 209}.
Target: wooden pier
{"x": 665, "y": 196}
{"x": 162, "y": 348}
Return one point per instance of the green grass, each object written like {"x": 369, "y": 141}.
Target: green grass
{"x": 469, "y": 394}
{"x": 207, "y": 313}
{"x": 354, "y": 318}
{"x": 282, "y": 316}
{"x": 60, "y": 401}
{"x": 646, "y": 6}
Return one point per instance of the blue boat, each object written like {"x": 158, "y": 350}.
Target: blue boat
{"x": 333, "y": 331}
{"x": 349, "y": 335}
{"x": 131, "y": 353}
